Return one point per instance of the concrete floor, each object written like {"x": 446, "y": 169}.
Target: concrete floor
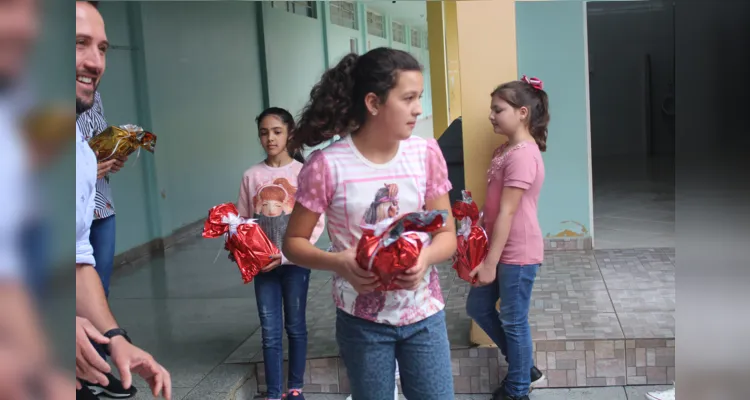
{"x": 634, "y": 203}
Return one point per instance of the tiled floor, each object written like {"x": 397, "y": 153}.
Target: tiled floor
{"x": 198, "y": 319}
{"x": 634, "y": 203}
{"x": 608, "y": 393}
{"x": 609, "y": 294}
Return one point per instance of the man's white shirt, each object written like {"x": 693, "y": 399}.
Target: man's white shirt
{"x": 85, "y": 193}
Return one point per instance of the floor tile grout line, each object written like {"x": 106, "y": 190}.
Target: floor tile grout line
{"x": 619, "y": 323}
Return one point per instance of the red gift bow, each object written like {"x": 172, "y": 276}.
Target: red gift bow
{"x": 466, "y": 207}
{"x": 392, "y": 246}
{"x": 536, "y": 83}
{"x": 248, "y": 244}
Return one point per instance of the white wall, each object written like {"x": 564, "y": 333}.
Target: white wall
{"x": 120, "y": 101}
{"x": 204, "y": 87}
{"x": 339, "y": 43}
{"x": 294, "y": 54}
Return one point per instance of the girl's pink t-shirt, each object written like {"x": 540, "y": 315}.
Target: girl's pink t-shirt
{"x": 353, "y": 191}
{"x": 521, "y": 167}
{"x": 269, "y": 193}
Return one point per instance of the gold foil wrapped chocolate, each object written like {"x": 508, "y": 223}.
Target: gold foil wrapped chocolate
{"x": 121, "y": 141}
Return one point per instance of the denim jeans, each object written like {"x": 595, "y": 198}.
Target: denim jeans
{"x": 370, "y": 351}
{"x": 102, "y": 238}
{"x": 510, "y": 328}
{"x": 285, "y": 286}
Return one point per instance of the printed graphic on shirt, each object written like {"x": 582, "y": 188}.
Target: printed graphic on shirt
{"x": 273, "y": 203}
{"x": 369, "y": 201}
{"x": 384, "y": 206}
{"x": 275, "y": 198}
{"x": 372, "y": 201}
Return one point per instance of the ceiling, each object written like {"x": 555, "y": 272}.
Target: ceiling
{"x": 410, "y": 12}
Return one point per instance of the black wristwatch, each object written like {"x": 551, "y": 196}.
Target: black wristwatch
{"x": 116, "y": 332}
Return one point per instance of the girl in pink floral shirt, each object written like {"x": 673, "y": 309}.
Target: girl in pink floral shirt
{"x": 377, "y": 171}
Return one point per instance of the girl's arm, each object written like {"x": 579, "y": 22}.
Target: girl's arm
{"x": 244, "y": 201}
{"x": 298, "y": 247}
{"x": 509, "y": 201}
{"x": 318, "y": 230}
{"x": 314, "y": 196}
{"x": 443, "y": 244}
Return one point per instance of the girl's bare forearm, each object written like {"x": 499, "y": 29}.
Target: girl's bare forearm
{"x": 301, "y": 252}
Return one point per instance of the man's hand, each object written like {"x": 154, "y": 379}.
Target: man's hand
{"x": 129, "y": 358}
{"x": 103, "y": 168}
{"x": 119, "y": 163}
{"x": 90, "y": 366}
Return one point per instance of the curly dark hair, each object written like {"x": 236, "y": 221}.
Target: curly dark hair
{"x": 522, "y": 94}
{"x": 288, "y": 120}
{"x": 337, "y": 101}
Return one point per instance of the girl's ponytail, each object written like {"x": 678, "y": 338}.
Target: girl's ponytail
{"x": 540, "y": 120}
{"x": 329, "y": 110}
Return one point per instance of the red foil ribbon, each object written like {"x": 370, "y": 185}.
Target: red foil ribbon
{"x": 248, "y": 243}
{"x": 466, "y": 207}
{"x": 472, "y": 242}
{"x": 392, "y": 246}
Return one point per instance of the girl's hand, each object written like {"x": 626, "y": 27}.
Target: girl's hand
{"x": 362, "y": 280}
{"x": 485, "y": 274}
{"x": 275, "y": 263}
{"x": 412, "y": 277}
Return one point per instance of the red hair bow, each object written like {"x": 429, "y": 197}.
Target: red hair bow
{"x": 536, "y": 83}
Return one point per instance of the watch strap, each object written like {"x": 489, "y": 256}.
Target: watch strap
{"x": 116, "y": 332}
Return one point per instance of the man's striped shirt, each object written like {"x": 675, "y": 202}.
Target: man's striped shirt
{"x": 92, "y": 123}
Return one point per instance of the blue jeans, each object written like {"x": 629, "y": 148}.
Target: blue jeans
{"x": 510, "y": 328}
{"x": 102, "y": 238}
{"x": 286, "y": 285}
{"x": 370, "y": 351}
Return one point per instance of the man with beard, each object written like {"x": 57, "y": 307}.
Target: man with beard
{"x": 91, "y": 50}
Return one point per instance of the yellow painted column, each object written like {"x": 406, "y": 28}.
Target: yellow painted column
{"x": 452, "y": 60}
{"x": 487, "y": 56}
{"x": 438, "y": 73}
